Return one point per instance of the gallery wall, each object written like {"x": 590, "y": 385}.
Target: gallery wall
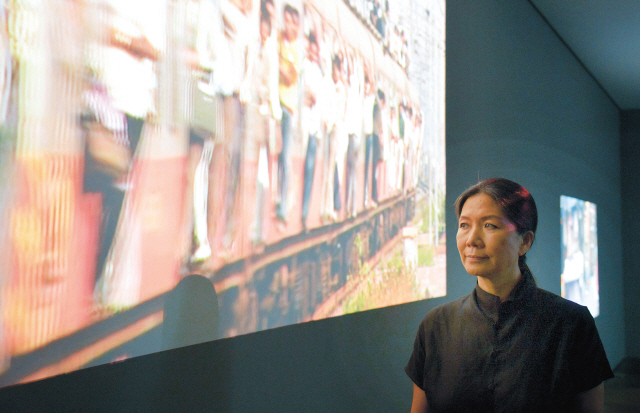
{"x": 630, "y": 154}
{"x": 519, "y": 105}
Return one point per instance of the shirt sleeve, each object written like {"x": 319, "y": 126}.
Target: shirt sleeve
{"x": 415, "y": 366}
{"x": 589, "y": 364}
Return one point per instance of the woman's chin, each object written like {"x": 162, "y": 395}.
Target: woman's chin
{"x": 475, "y": 271}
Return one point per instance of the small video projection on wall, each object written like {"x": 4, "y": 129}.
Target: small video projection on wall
{"x": 580, "y": 253}
{"x": 290, "y": 153}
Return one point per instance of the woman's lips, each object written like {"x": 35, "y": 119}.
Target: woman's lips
{"x": 475, "y": 258}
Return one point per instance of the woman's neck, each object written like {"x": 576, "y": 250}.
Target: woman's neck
{"x": 500, "y": 286}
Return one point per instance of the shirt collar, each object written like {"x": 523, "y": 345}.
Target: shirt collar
{"x": 489, "y": 303}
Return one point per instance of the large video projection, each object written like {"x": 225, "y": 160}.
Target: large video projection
{"x": 290, "y": 152}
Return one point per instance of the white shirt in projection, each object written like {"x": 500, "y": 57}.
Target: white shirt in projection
{"x": 354, "y": 103}
{"x": 131, "y": 81}
{"x": 367, "y": 114}
{"x": 574, "y": 266}
{"x": 311, "y": 115}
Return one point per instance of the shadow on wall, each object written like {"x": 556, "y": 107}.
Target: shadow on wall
{"x": 191, "y": 313}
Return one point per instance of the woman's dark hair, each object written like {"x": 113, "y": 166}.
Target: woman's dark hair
{"x": 514, "y": 199}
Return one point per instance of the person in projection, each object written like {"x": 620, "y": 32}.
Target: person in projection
{"x": 418, "y": 147}
{"x": 509, "y": 345}
{"x": 7, "y": 149}
{"x": 392, "y": 158}
{"x": 404, "y": 51}
{"x": 400, "y": 158}
{"x": 238, "y": 31}
{"x": 326, "y": 40}
{"x": 268, "y": 8}
{"x": 290, "y": 64}
{"x": 48, "y": 296}
{"x": 353, "y": 126}
{"x": 311, "y": 117}
{"x": 204, "y": 56}
{"x": 414, "y": 147}
{"x": 409, "y": 149}
{"x": 379, "y": 109}
{"x": 372, "y": 151}
{"x": 381, "y": 125}
{"x": 341, "y": 136}
{"x": 260, "y": 95}
{"x": 387, "y": 146}
{"x": 334, "y": 105}
{"x": 574, "y": 265}
{"x": 131, "y": 44}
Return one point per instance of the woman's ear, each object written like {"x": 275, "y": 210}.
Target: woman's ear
{"x": 527, "y": 240}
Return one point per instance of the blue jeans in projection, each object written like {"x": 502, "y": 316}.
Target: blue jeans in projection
{"x": 113, "y": 197}
{"x": 309, "y": 170}
{"x": 284, "y": 164}
{"x": 234, "y": 117}
{"x": 372, "y": 157}
{"x": 352, "y": 160}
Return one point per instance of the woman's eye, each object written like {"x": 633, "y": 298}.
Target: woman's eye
{"x": 463, "y": 225}
{"x": 488, "y": 225}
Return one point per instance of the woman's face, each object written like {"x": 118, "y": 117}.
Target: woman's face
{"x": 489, "y": 244}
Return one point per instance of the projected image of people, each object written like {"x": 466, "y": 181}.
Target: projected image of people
{"x": 281, "y": 150}
{"x": 580, "y": 253}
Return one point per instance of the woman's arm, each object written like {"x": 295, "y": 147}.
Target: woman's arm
{"x": 590, "y": 401}
{"x": 419, "y": 403}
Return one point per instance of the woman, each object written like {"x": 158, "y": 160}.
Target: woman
{"x": 508, "y": 346}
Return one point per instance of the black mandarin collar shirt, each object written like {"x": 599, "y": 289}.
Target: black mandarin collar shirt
{"x": 491, "y": 306}
{"x": 534, "y": 352}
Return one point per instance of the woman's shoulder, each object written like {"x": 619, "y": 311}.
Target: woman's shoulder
{"x": 553, "y": 304}
{"x": 448, "y": 311}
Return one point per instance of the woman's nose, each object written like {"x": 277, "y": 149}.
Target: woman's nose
{"x": 474, "y": 236}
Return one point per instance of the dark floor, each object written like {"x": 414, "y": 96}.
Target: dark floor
{"x": 622, "y": 393}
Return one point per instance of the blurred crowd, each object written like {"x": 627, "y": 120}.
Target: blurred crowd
{"x": 141, "y": 140}
{"x": 392, "y": 35}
